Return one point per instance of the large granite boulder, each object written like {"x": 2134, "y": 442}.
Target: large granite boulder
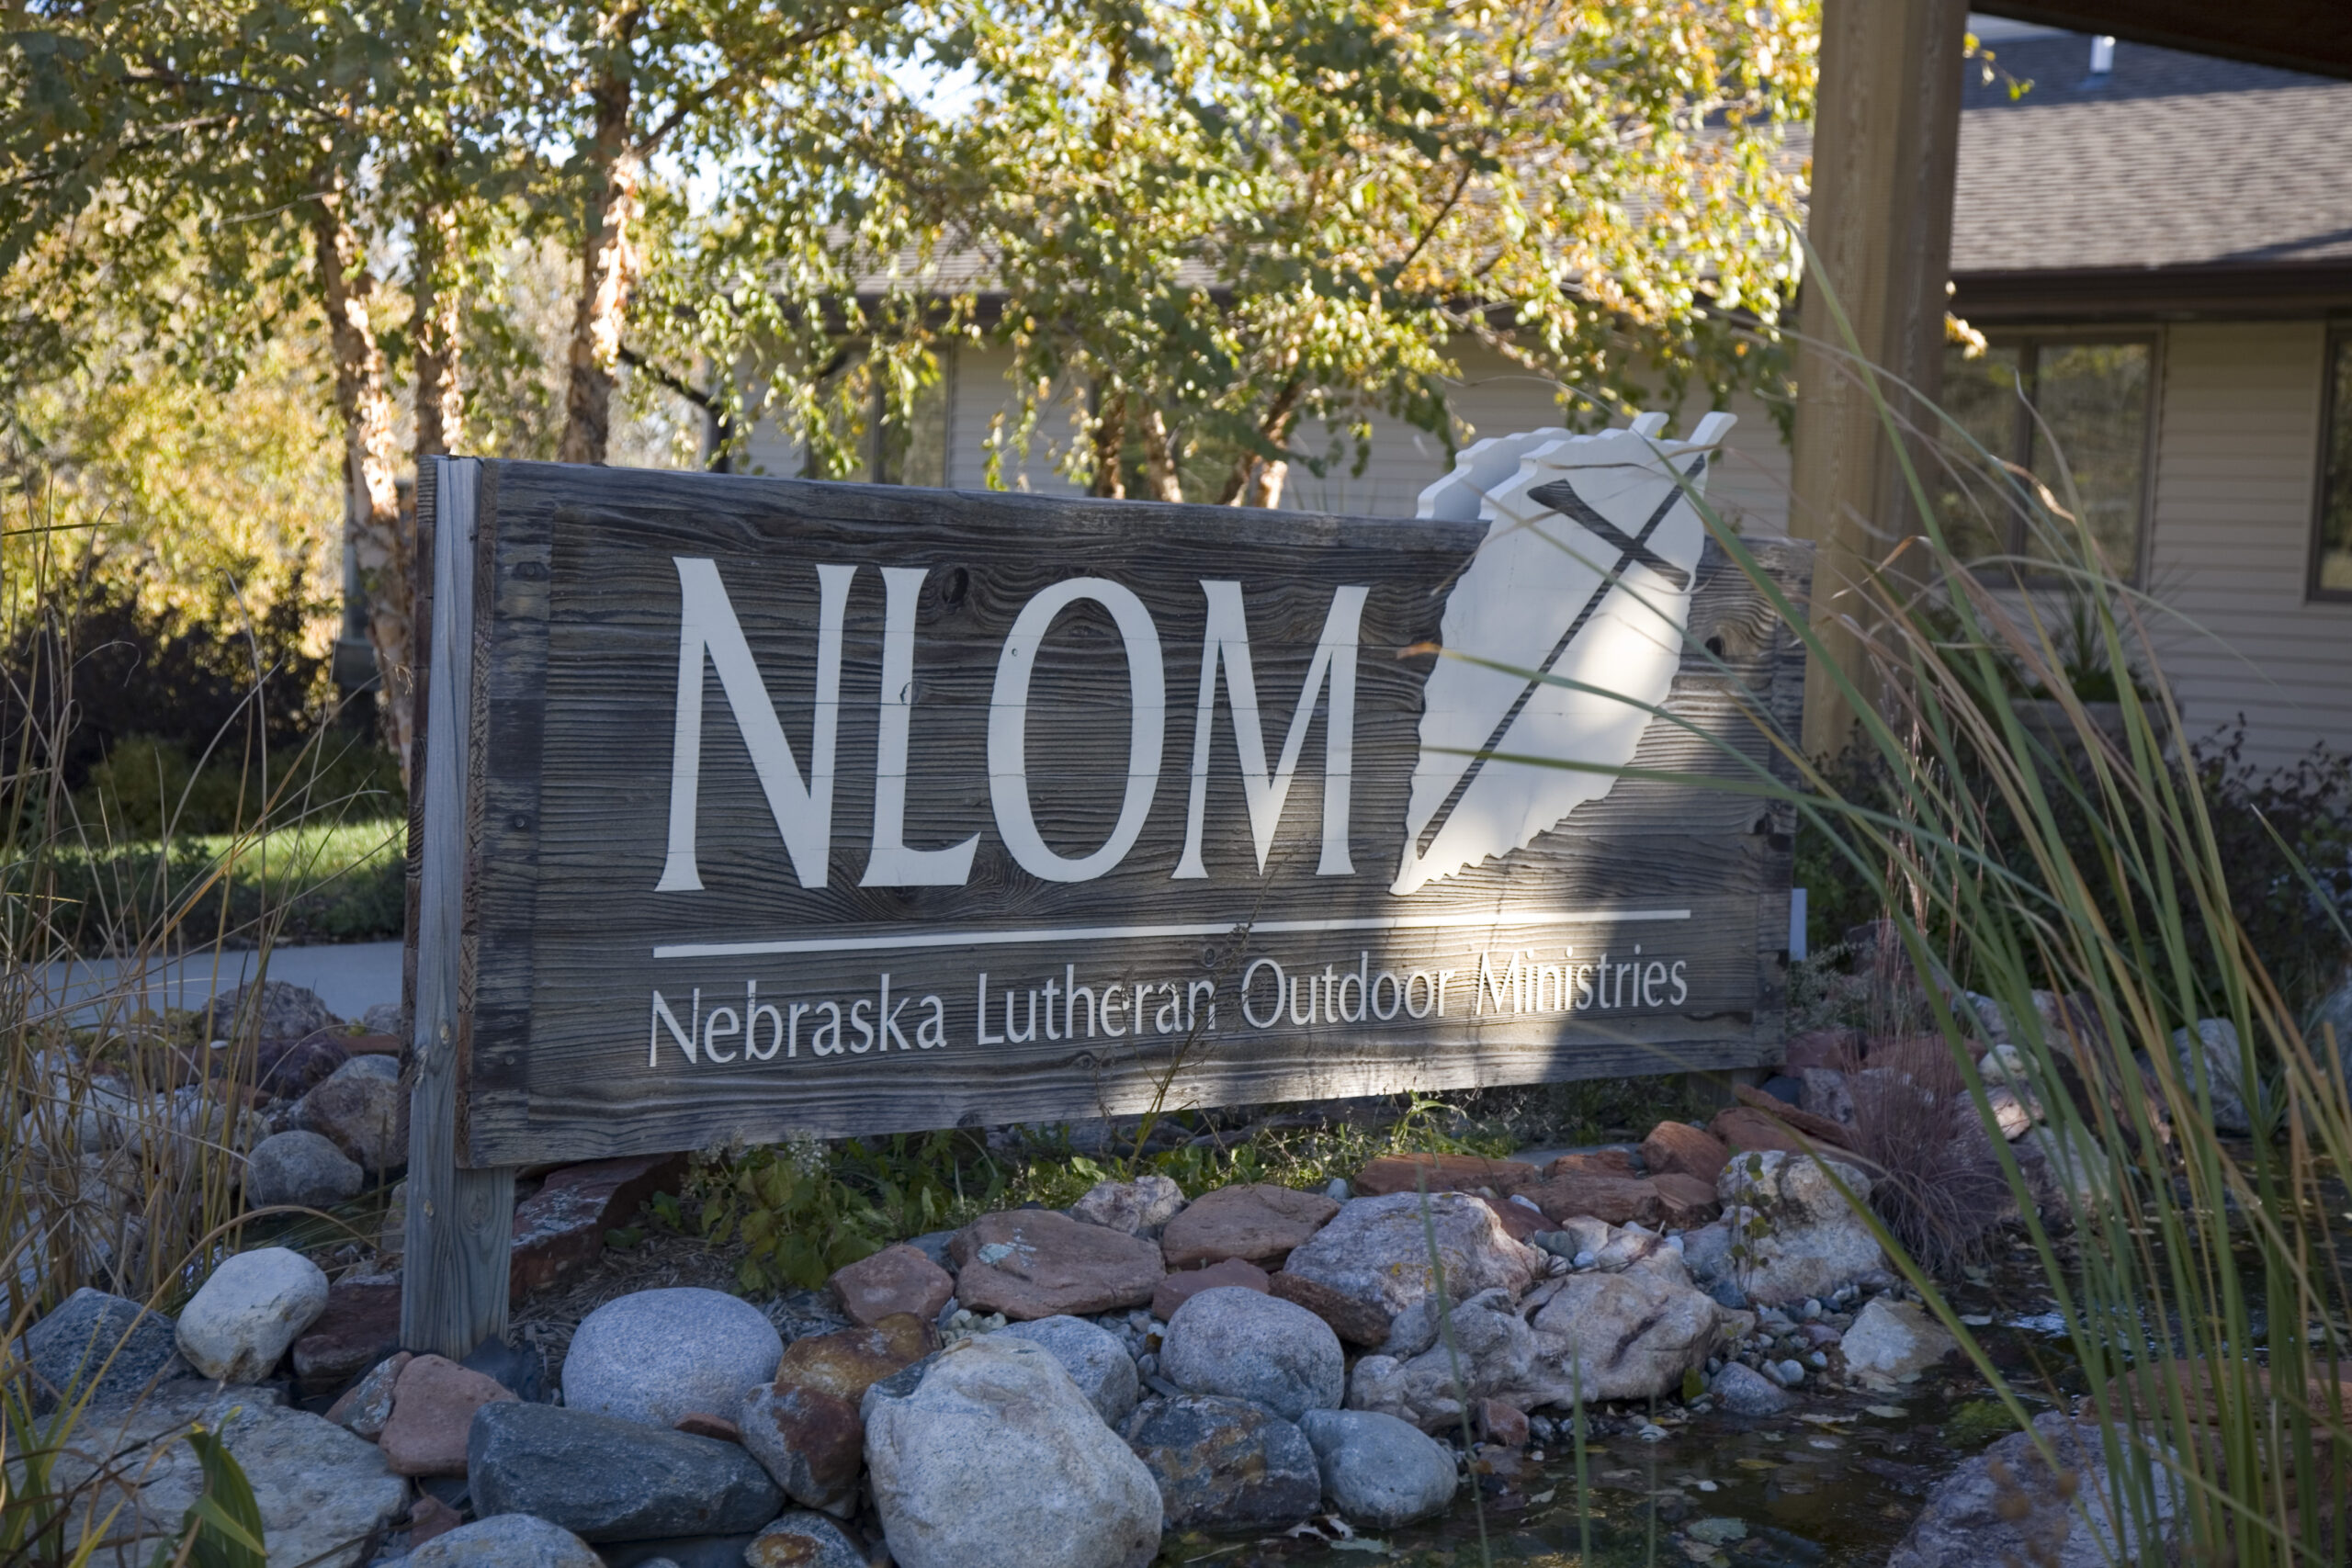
{"x": 1031, "y": 1263}
{"x": 1376, "y": 1250}
{"x": 362, "y": 1109}
{"x": 656, "y": 1356}
{"x": 1246, "y": 1345}
{"x": 1629, "y": 1336}
{"x": 1493, "y": 1352}
{"x": 304, "y": 1169}
{"x": 1227, "y": 1466}
{"x": 998, "y": 1460}
{"x": 1796, "y": 1234}
{"x": 2007, "y": 1505}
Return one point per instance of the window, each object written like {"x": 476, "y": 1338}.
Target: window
{"x": 2332, "y": 531}
{"x": 2069, "y": 411}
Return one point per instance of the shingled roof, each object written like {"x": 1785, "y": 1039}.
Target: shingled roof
{"x": 2171, "y": 174}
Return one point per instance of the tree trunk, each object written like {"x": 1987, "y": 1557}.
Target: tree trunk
{"x": 607, "y": 267}
{"x": 1163, "y": 482}
{"x": 1110, "y": 436}
{"x": 381, "y": 538}
{"x": 1256, "y": 481}
{"x": 440, "y": 400}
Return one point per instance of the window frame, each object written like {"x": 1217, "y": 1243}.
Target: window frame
{"x": 2029, "y": 342}
{"x": 2338, "y": 337}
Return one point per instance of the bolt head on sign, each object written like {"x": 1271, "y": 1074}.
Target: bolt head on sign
{"x": 805, "y": 808}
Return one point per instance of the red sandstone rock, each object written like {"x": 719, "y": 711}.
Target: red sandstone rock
{"x": 431, "y": 1516}
{"x": 1601, "y": 1162}
{"x": 1746, "y": 1131}
{"x": 702, "y": 1424}
{"x": 896, "y": 1279}
{"x": 1257, "y": 1224}
{"x": 1677, "y": 1148}
{"x": 1620, "y": 1200}
{"x": 1820, "y": 1129}
{"x": 1032, "y": 1263}
{"x": 1688, "y": 1201}
{"x": 1443, "y": 1173}
{"x": 562, "y": 1225}
{"x": 433, "y": 1406}
{"x": 1840, "y": 1049}
{"x": 1178, "y": 1288}
{"x": 359, "y": 1328}
{"x": 1357, "y": 1322}
{"x": 1503, "y": 1422}
{"x": 1519, "y": 1220}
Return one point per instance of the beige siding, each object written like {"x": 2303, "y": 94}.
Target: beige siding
{"x": 2236, "y": 460}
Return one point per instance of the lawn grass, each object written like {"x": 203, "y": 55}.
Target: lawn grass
{"x": 312, "y": 882}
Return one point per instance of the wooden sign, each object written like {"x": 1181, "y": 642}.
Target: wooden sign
{"x": 754, "y": 806}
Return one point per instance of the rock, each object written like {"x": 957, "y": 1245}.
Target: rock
{"x": 703, "y": 1424}
{"x": 1257, "y": 1223}
{"x": 1745, "y": 1131}
{"x": 506, "y": 1541}
{"x": 1225, "y": 1465}
{"x": 1784, "y": 1109}
{"x": 1356, "y": 1323}
{"x": 604, "y": 1478}
{"x": 1033, "y": 1263}
{"x": 803, "y": 1540}
{"x": 2006, "y": 1506}
{"x": 522, "y": 1368}
{"x": 364, "y": 1110}
{"x": 1744, "y": 1390}
{"x": 2332, "y": 1020}
{"x": 657, "y": 1355}
{"x": 933, "y": 1246}
{"x": 289, "y": 1069}
{"x": 1094, "y": 1359}
{"x": 1522, "y": 1220}
{"x": 1707, "y": 1255}
{"x": 997, "y": 1460}
{"x": 360, "y": 1326}
{"x": 241, "y": 1322}
{"x": 1838, "y": 1049}
{"x": 1178, "y": 1288}
{"x": 1493, "y": 1352}
{"x": 325, "y": 1496}
{"x": 1614, "y": 1160}
{"x": 847, "y": 1362}
{"x": 1796, "y": 1234}
{"x": 299, "y": 1169}
{"x": 2014, "y": 1111}
{"x": 1248, "y": 1345}
{"x": 811, "y": 1443}
{"x": 368, "y": 1404}
{"x": 2228, "y": 1077}
{"x": 1377, "y": 1252}
{"x": 2071, "y": 1162}
{"x": 561, "y": 1226}
{"x": 1140, "y": 1207}
{"x": 1499, "y": 1421}
{"x": 1618, "y": 1200}
{"x": 1677, "y": 1148}
{"x": 1685, "y": 1201}
{"x": 1893, "y": 1342}
{"x": 1403, "y": 1173}
{"x": 1829, "y": 1095}
{"x": 267, "y": 1009}
{"x": 433, "y": 1408}
{"x": 1377, "y": 1471}
{"x": 894, "y": 1279}
{"x": 431, "y": 1518}
{"x": 99, "y": 1347}
{"x": 1630, "y": 1336}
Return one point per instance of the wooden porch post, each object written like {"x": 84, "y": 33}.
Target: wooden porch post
{"x": 1886, "y": 145}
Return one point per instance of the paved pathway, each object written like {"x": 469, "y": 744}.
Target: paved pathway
{"x": 350, "y": 977}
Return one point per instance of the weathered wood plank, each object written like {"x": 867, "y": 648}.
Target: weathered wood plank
{"x": 459, "y": 1229}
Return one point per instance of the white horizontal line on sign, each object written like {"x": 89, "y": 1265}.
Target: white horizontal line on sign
{"x": 1499, "y": 918}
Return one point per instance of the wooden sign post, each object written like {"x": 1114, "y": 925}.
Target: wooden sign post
{"x": 748, "y": 807}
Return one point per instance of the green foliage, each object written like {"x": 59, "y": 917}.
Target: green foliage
{"x": 1977, "y": 1422}
{"x": 223, "y": 1525}
{"x": 148, "y": 788}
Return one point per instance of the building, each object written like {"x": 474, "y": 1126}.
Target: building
{"x": 2157, "y": 246}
